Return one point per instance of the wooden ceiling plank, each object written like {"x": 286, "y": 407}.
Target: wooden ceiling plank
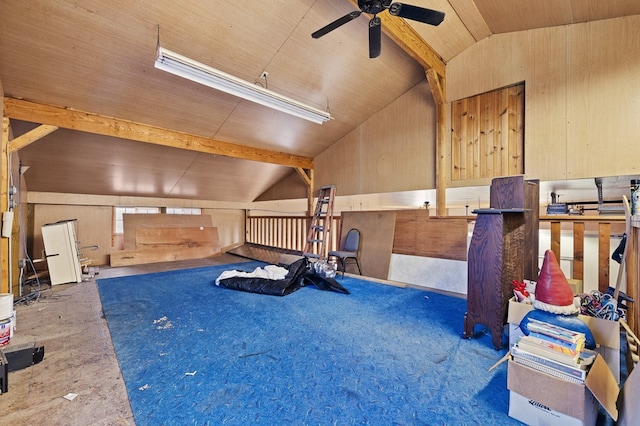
{"x": 98, "y": 124}
{"x": 472, "y": 18}
{"x": 30, "y": 137}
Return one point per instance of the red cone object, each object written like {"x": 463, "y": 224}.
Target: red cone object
{"x": 553, "y": 292}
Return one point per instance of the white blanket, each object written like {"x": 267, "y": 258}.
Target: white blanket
{"x": 270, "y": 272}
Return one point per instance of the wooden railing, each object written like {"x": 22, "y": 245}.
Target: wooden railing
{"x": 290, "y": 232}
{"x": 286, "y": 232}
{"x": 604, "y": 226}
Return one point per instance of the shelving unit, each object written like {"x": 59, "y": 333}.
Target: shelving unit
{"x": 61, "y": 252}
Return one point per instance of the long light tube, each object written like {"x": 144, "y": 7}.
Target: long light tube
{"x": 184, "y": 67}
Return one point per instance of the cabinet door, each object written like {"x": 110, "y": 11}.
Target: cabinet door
{"x": 61, "y": 253}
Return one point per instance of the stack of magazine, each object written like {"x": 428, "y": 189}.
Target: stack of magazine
{"x": 554, "y": 350}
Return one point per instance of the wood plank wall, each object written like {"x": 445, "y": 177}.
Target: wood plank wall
{"x": 581, "y": 110}
{"x": 417, "y": 234}
{"x": 487, "y": 135}
{"x": 394, "y": 150}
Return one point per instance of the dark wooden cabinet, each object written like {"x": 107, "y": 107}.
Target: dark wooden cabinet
{"x": 503, "y": 248}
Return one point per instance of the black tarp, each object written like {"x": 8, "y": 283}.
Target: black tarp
{"x": 298, "y": 276}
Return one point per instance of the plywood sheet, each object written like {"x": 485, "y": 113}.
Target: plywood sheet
{"x": 132, "y": 222}
{"x": 169, "y": 244}
{"x": 376, "y": 230}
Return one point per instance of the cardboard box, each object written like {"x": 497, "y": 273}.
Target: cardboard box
{"x": 537, "y": 398}
{"x": 577, "y": 286}
{"x": 605, "y": 332}
{"x": 547, "y": 400}
{"x": 533, "y": 412}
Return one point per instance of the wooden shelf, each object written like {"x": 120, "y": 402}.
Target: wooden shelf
{"x": 503, "y": 248}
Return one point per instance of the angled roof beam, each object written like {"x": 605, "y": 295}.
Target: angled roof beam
{"x": 68, "y": 118}
{"x": 410, "y": 41}
{"x": 30, "y": 137}
{"x": 307, "y": 178}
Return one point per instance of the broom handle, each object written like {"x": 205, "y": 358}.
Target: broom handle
{"x": 629, "y": 332}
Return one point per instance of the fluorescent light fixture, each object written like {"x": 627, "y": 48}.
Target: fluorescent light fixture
{"x": 184, "y": 67}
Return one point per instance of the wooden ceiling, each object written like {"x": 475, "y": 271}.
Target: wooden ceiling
{"x": 97, "y": 57}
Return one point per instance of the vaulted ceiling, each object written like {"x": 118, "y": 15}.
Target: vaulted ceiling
{"x": 73, "y": 62}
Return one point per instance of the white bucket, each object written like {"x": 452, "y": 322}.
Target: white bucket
{"x": 6, "y": 305}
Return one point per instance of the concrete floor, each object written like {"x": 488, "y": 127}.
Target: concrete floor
{"x": 79, "y": 355}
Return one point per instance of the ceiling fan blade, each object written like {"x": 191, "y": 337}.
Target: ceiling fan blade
{"x": 337, "y": 23}
{"x": 375, "y": 37}
{"x": 415, "y": 13}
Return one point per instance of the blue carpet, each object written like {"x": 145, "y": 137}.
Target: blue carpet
{"x": 194, "y": 353}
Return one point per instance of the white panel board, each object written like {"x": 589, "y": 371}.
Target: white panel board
{"x": 440, "y": 274}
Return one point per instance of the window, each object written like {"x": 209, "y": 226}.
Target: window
{"x": 179, "y": 210}
{"x": 120, "y": 211}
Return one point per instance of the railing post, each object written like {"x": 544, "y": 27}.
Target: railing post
{"x": 555, "y": 239}
{"x": 604, "y": 244}
{"x": 578, "y": 250}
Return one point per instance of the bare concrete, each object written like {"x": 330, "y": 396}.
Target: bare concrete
{"x": 79, "y": 356}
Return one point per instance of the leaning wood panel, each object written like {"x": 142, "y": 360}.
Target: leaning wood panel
{"x": 376, "y": 230}
{"x": 438, "y": 237}
{"x": 169, "y": 244}
{"x": 166, "y": 238}
{"x": 132, "y": 222}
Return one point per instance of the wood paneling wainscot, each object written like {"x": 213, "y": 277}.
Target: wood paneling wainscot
{"x": 417, "y": 234}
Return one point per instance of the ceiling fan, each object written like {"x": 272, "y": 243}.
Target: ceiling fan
{"x": 373, "y": 7}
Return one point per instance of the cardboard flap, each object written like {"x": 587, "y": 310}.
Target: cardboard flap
{"x": 628, "y": 400}
{"x": 603, "y": 386}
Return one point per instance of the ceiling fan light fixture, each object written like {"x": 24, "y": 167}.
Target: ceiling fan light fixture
{"x": 184, "y": 67}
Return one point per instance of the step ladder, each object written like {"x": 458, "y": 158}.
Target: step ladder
{"x": 319, "y": 232}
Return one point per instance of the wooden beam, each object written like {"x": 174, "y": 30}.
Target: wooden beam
{"x": 68, "y": 118}
{"x": 437, "y": 84}
{"x": 578, "y": 251}
{"x": 556, "y": 229}
{"x": 604, "y": 252}
{"x": 412, "y": 43}
{"x": 441, "y": 164}
{"x": 304, "y": 176}
{"x": 30, "y": 137}
{"x": 307, "y": 177}
{"x": 4, "y": 205}
{"x": 409, "y": 40}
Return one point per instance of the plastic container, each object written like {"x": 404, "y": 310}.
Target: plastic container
{"x": 635, "y": 196}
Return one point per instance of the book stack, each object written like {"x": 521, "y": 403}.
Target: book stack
{"x": 554, "y": 350}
